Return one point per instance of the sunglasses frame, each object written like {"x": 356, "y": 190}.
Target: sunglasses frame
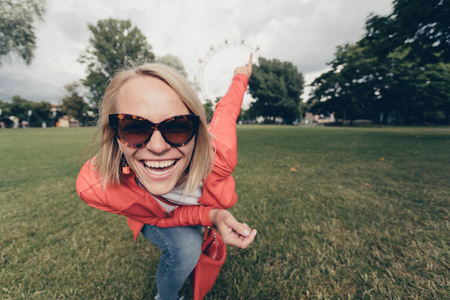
{"x": 114, "y": 123}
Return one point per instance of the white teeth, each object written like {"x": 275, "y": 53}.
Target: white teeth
{"x": 158, "y": 173}
{"x": 159, "y": 164}
{"x": 151, "y": 166}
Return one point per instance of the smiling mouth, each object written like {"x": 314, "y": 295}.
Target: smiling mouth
{"x": 159, "y": 168}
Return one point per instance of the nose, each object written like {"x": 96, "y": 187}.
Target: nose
{"x": 157, "y": 144}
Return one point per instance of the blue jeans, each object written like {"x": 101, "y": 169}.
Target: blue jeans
{"x": 181, "y": 248}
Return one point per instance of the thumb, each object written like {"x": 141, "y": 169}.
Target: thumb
{"x": 240, "y": 228}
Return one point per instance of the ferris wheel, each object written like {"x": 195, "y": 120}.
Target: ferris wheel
{"x": 213, "y": 53}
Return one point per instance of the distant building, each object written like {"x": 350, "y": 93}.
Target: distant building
{"x": 66, "y": 122}
{"x": 325, "y": 119}
{"x": 318, "y": 119}
{"x": 309, "y": 118}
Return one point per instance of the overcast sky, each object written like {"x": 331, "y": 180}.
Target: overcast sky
{"x": 304, "y": 32}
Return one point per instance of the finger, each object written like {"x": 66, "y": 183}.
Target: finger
{"x": 250, "y": 59}
{"x": 239, "y": 228}
{"x": 244, "y": 242}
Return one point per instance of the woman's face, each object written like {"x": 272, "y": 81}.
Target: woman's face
{"x": 158, "y": 165}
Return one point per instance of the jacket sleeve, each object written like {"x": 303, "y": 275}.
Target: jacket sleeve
{"x": 219, "y": 187}
{"x": 187, "y": 216}
{"x": 223, "y": 126}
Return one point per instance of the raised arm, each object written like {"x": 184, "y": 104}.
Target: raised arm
{"x": 220, "y": 185}
{"x": 229, "y": 107}
{"x": 219, "y": 188}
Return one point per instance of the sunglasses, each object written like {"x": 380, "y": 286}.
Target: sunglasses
{"x": 135, "y": 131}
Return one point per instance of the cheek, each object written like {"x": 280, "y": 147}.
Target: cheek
{"x": 120, "y": 146}
{"x": 126, "y": 151}
{"x": 188, "y": 153}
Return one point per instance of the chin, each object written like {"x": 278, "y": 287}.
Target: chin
{"x": 158, "y": 188}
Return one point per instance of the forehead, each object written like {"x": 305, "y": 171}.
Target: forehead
{"x": 151, "y": 98}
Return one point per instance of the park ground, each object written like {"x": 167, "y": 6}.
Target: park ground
{"x": 354, "y": 213}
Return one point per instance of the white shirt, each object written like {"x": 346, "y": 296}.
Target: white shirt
{"x": 176, "y": 197}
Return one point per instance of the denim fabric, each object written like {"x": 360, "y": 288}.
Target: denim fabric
{"x": 181, "y": 248}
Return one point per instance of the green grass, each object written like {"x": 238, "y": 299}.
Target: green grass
{"x": 341, "y": 213}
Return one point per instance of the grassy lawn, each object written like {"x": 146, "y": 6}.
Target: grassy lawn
{"x": 354, "y": 213}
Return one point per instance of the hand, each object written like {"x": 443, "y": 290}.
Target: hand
{"x": 233, "y": 233}
{"x": 246, "y": 70}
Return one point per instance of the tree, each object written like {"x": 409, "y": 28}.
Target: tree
{"x": 20, "y": 107}
{"x": 73, "y": 104}
{"x": 351, "y": 86}
{"x": 276, "y": 86}
{"x": 5, "y": 112}
{"x": 424, "y": 25}
{"x": 209, "y": 107}
{"x": 114, "y": 44}
{"x": 17, "y": 32}
{"x": 40, "y": 111}
{"x": 397, "y": 71}
{"x": 363, "y": 86}
{"x": 173, "y": 61}
{"x": 434, "y": 86}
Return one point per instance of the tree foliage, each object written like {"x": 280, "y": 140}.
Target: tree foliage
{"x": 172, "y": 61}
{"x": 17, "y": 31}
{"x": 345, "y": 88}
{"x": 73, "y": 105}
{"x": 397, "y": 72}
{"x": 423, "y": 25}
{"x": 19, "y": 107}
{"x": 114, "y": 44}
{"x": 276, "y": 86}
{"x": 209, "y": 109}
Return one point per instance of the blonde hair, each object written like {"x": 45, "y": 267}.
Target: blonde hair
{"x": 109, "y": 161}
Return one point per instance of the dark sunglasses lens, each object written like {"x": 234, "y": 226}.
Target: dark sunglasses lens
{"x": 179, "y": 131}
{"x": 133, "y": 132}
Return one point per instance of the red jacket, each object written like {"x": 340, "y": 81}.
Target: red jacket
{"x": 141, "y": 208}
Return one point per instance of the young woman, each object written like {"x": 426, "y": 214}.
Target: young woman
{"x": 161, "y": 166}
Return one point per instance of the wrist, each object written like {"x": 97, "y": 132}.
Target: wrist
{"x": 213, "y": 215}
